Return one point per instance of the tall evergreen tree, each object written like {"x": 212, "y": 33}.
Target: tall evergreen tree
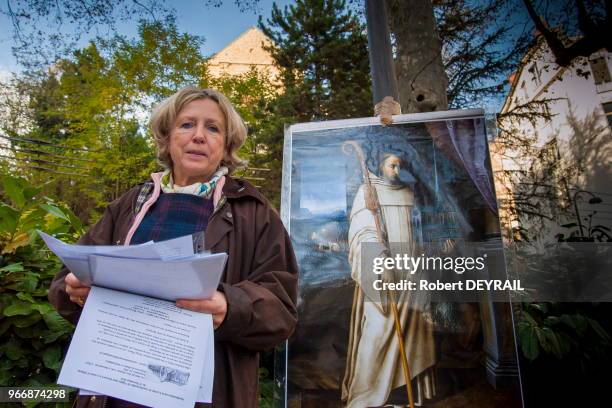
{"x": 321, "y": 49}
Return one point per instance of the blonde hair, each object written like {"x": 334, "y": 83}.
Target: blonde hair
{"x": 165, "y": 114}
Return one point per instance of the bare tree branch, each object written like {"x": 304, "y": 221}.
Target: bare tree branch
{"x": 596, "y": 35}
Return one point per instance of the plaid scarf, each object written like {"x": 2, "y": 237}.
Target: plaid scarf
{"x": 199, "y": 189}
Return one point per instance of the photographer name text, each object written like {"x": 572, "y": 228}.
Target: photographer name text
{"x": 437, "y": 285}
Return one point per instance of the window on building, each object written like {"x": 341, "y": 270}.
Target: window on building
{"x": 535, "y": 72}
{"x": 600, "y": 70}
{"x": 607, "y": 107}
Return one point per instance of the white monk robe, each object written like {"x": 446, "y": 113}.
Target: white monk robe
{"x": 373, "y": 366}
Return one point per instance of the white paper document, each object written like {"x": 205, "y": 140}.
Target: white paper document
{"x": 206, "y": 385}
{"x": 167, "y": 270}
{"x": 196, "y": 277}
{"x": 76, "y": 257}
{"x": 142, "y": 350}
{"x": 181, "y": 247}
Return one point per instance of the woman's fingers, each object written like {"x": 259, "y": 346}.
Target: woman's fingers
{"x": 78, "y": 296}
{"x": 211, "y": 307}
{"x": 72, "y": 280}
{"x": 76, "y": 290}
{"x": 78, "y": 300}
{"x": 216, "y": 306}
{"x": 202, "y": 306}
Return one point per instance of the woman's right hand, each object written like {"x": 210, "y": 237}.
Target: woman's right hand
{"x": 76, "y": 290}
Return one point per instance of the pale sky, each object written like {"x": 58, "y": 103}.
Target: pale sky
{"x": 218, "y": 26}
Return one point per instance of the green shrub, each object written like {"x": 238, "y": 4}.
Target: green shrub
{"x": 563, "y": 330}
{"x": 32, "y": 334}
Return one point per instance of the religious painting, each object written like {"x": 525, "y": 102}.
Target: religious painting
{"x": 425, "y": 180}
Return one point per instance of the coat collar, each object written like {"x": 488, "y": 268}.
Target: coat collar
{"x": 233, "y": 188}
{"x": 236, "y": 188}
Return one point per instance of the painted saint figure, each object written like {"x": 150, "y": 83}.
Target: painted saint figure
{"x": 374, "y": 367}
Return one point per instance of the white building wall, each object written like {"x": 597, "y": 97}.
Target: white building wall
{"x": 578, "y": 124}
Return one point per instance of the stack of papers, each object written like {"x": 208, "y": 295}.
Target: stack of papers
{"x": 131, "y": 341}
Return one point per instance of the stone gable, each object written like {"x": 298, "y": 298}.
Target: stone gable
{"x": 245, "y": 52}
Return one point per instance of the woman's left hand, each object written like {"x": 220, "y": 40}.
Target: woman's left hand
{"x": 216, "y": 306}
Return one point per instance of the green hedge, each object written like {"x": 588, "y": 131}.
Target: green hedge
{"x": 32, "y": 334}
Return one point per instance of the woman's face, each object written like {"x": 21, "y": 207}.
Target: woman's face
{"x": 197, "y": 142}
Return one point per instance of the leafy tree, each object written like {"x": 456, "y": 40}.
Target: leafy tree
{"x": 157, "y": 63}
{"x": 95, "y": 105}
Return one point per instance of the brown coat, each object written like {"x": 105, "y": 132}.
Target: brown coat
{"x": 259, "y": 282}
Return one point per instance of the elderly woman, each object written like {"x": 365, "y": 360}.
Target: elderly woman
{"x": 198, "y": 133}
